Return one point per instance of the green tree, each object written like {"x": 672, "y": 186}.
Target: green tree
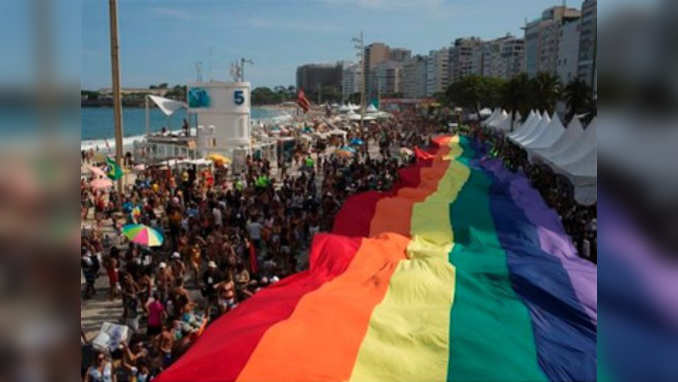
{"x": 545, "y": 91}
{"x": 515, "y": 96}
{"x": 466, "y": 93}
{"x": 492, "y": 91}
{"x": 264, "y": 96}
{"x": 578, "y": 97}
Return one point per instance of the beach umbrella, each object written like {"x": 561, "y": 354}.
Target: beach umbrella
{"x": 142, "y": 234}
{"x": 100, "y": 184}
{"x": 98, "y": 172}
{"x": 218, "y": 158}
{"x": 345, "y": 154}
{"x": 357, "y": 141}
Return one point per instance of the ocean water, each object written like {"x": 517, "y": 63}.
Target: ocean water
{"x": 97, "y": 123}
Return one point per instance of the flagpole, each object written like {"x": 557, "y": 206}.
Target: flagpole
{"x": 115, "y": 76}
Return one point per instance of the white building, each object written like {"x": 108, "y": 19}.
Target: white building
{"x": 414, "y": 77}
{"x": 351, "y": 80}
{"x": 568, "y": 52}
{"x": 387, "y": 78}
{"x": 437, "y": 71}
{"x": 466, "y": 58}
{"x": 503, "y": 57}
{"x": 542, "y": 39}
{"x": 588, "y": 39}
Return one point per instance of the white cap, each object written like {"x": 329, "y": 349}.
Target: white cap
{"x": 176, "y": 255}
{"x": 275, "y": 279}
{"x": 162, "y": 265}
{"x": 211, "y": 264}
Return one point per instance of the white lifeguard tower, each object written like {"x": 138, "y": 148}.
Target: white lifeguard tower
{"x": 221, "y": 112}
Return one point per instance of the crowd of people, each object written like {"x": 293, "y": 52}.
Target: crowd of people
{"x": 557, "y": 191}
{"x": 226, "y": 236}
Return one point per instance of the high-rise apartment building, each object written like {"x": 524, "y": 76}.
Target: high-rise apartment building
{"x": 351, "y": 80}
{"x": 568, "y": 52}
{"x": 542, "y": 39}
{"x": 466, "y": 58}
{"x": 437, "y": 71}
{"x": 503, "y": 57}
{"x": 386, "y": 78}
{"x": 588, "y": 40}
{"x": 400, "y": 54}
{"x": 374, "y": 54}
{"x": 311, "y": 77}
{"x": 414, "y": 77}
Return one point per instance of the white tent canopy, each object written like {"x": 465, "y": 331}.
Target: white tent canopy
{"x": 492, "y": 117}
{"x": 549, "y": 135}
{"x": 583, "y": 173}
{"x": 586, "y": 143}
{"x": 166, "y": 105}
{"x": 485, "y": 112}
{"x": 518, "y": 117}
{"x": 498, "y": 120}
{"x": 532, "y": 119}
{"x": 371, "y": 109}
{"x": 570, "y": 136}
{"x": 504, "y": 126}
{"x": 534, "y": 131}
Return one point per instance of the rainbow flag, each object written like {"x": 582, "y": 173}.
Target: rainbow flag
{"x": 460, "y": 273}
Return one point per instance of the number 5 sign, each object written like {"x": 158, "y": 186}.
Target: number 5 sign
{"x": 238, "y": 97}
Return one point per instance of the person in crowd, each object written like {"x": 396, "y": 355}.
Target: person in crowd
{"x": 101, "y": 371}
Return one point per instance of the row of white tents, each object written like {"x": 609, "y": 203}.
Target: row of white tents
{"x": 571, "y": 151}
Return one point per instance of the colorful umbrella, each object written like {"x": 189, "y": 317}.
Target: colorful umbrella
{"x": 218, "y": 158}
{"x": 344, "y": 153}
{"x": 347, "y": 148}
{"x": 141, "y": 234}
{"x": 100, "y": 184}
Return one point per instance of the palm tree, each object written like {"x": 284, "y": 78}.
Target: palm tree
{"x": 577, "y": 96}
{"x": 515, "y": 96}
{"x": 546, "y": 91}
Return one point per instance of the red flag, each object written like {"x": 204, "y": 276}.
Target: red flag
{"x": 421, "y": 154}
{"x": 303, "y": 102}
{"x": 254, "y": 267}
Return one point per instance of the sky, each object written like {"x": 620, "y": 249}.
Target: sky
{"x": 161, "y": 40}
